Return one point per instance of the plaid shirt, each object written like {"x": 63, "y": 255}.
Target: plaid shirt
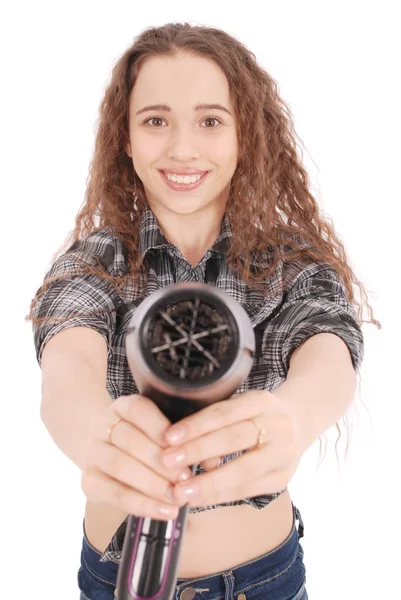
{"x": 315, "y": 303}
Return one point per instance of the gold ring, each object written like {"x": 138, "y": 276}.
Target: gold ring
{"x": 261, "y": 433}
{"x": 110, "y": 429}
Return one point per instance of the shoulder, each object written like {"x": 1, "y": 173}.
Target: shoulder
{"x": 305, "y": 268}
{"x": 99, "y": 247}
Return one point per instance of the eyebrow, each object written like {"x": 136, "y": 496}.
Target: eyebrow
{"x": 168, "y": 109}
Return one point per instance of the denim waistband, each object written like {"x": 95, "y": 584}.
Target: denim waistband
{"x": 273, "y": 561}
{"x": 270, "y": 564}
{"x": 90, "y": 560}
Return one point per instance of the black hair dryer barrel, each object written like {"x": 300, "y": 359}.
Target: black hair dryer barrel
{"x": 188, "y": 345}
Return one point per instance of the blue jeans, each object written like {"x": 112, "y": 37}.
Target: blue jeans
{"x": 277, "y": 575}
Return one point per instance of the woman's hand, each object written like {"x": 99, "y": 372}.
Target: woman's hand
{"x": 124, "y": 470}
{"x": 224, "y": 428}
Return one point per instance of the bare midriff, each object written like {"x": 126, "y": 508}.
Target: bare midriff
{"x": 214, "y": 540}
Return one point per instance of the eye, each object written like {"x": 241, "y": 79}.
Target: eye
{"x": 153, "y": 118}
{"x": 210, "y": 118}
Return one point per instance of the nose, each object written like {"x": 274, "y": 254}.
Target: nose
{"x": 184, "y": 144}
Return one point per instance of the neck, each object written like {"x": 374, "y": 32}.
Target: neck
{"x": 192, "y": 234}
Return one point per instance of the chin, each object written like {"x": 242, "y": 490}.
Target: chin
{"x": 182, "y": 207}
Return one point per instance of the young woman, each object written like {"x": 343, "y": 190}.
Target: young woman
{"x": 192, "y": 102}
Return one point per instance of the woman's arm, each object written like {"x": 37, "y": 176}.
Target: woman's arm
{"x": 320, "y": 385}
{"x": 74, "y": 365}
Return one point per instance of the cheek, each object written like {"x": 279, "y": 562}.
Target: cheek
{"x": 146, "y": 148}
{"x": 227, "y": 159}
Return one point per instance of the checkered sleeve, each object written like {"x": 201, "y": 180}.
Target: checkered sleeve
{"x": 80, "y": 300}
{"x": 315, "y": 303}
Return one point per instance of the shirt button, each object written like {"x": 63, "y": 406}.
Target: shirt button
{"x": 242, "y": 597}
{"x": 188, "y": 594}
{"x": 115, "y": 591}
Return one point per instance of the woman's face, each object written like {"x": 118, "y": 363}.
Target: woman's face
{"x": 181, "y": 136}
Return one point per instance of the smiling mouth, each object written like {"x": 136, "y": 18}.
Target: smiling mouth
{"x": 183, "y": 186}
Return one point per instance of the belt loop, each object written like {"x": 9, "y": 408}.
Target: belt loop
{"x": 297, "y": 515}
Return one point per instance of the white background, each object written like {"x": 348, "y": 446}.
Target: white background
{"x": 336, "y": 67}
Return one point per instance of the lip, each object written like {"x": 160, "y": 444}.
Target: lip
{"x": 182, "y": 187}
{"x": 181, "y": 171}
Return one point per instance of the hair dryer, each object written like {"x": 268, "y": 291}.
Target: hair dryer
{"x": 188, "y": 345}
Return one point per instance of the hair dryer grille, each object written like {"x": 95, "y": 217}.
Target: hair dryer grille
{"x": 189, "y": 339}
{"x": 188, "y": 336}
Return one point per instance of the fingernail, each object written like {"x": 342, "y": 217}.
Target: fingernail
{"x": 173, "y": 458}
{"x": 168, "y": 511}
{"x": 188, "y": 491}
{"x": 184, "y": 475}
{"x": 175, "y": 434}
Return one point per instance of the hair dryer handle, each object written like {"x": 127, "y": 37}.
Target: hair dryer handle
{"x": 150, "y": 557}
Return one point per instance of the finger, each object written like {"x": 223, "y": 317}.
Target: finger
{"x": 132, "y": 441}
{"x": 97, "y": 487}
{"x": 211, "y": 463}
{"x": 131, "y": 472}
{"x": 246, "y": 468}
{"x": 269, "y": 484}
{"x": 234, "y": 438}
{"x": 221, "y": 414}
{"x": 144, "y": 414}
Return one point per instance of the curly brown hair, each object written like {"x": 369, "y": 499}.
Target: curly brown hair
{"x": 269, "y": 187}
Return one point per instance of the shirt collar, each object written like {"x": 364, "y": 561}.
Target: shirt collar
{"x": 151, "y": 236}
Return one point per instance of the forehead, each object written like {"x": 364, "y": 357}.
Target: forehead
{"x": 180, "y": 81}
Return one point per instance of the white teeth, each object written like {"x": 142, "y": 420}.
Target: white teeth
{"x": 183, "y": 179}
